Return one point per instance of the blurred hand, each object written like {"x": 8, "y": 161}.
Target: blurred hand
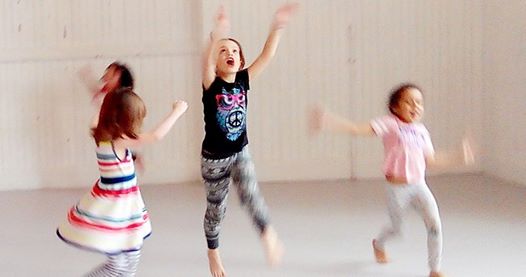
{"x": 139, "y": 163}
{"x": 467, "y": 150}
{"x": 283, "y": 15}
{"x": 316, "y": 119}
{"x": 222, "y": 23}
{"x": 85, "y": 72}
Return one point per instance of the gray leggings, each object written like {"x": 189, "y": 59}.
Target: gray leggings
{"x": 423, "y": 201}
{"x": 121, "y": 265}
{"x": 216, "y": 176}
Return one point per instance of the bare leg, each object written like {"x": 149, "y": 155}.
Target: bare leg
{"x": 273, "y": 246}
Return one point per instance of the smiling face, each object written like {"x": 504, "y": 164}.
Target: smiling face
{"x": 410, "y": 106}
{"x": 230, "y": 57}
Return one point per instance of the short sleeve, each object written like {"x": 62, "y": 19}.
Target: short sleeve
{"x": 383, "y": 125}
{"x": 243, "y": 78}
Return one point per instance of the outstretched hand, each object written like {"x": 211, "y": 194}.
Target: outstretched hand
{"x": 467, "y": 150}
{"x": 316, "y": 119}
{"x": 222, "y": 23}
{"x": 86, "y": 76}
{"x": 180, "y": 106}
{"x": 85, "y": 72}
{"x": 283, "y": 15}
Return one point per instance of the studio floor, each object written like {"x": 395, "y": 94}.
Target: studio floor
{"x": 326, "y": 227}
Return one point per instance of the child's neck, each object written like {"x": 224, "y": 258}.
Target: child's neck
{"x": 227, "y": 77}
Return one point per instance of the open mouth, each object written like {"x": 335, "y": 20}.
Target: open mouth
{"x": 230, "y": 62}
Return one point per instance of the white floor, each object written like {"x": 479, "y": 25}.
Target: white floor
{"x": 326, "y": 226}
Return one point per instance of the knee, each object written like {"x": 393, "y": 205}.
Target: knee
{"x": 244, "y": 172}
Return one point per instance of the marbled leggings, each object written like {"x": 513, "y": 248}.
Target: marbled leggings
{"x": 216, "y": 176}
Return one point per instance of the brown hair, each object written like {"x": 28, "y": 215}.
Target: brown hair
{"x": 241, "y": 55}
{"x": 125, "y": 77}
{"x": 121, "y": 115}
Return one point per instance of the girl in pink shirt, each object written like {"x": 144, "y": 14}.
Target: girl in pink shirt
{"x": 408, "y": 150}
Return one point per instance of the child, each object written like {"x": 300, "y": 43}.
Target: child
{"x": 408, "y": 149}
{"x": 224, "y": 152}
{"x": 117, "y": 75}
{"x": 112, "y": 218}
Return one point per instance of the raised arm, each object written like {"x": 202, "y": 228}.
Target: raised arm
{"x": 449, "y": 159}
{"x": 221, "y": 31}
{"x": 179, "y": 107}
{"x": 86, "y": 76}
{"x": 321, "y": 120}
{"x": 97, "y": 100}
{"x": 281, "y": 19}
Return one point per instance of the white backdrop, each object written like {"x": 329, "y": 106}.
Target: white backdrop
{"x": 344, "y": 54}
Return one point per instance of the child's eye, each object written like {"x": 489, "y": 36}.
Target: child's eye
{"x": 235, "y": 51}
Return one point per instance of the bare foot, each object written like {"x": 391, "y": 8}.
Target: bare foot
{"x": 436, "y": 274}
{"x": 216, "y": 267}
{"x": 273, "y": 246}
{"x": 380, "y": 255}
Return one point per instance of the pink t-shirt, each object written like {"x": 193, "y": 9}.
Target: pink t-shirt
{"x": 405, "y": 146}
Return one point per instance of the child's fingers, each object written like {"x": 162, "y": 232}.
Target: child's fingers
{"x": 284, "y": 13}
{"x": 467, "y": 149}
{"x": 180, "y": 104}
{"x": 221, "y": 16}
{"x": 292, "y": 7}
{"x": 315, "y": 119}
{"x": 221, "y": 13}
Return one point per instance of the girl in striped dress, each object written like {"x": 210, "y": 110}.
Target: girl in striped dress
{"x": 112, "y": 218}
{"x": 117, "y": 75}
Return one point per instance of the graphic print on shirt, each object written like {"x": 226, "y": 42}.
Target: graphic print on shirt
{"x": 231, "y": 112}
{"x": 411, "y": 137}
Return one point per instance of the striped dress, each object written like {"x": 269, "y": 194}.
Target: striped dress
{"x": 111, "y": 218}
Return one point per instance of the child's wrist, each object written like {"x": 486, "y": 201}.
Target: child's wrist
{"x": 277, "y": 27}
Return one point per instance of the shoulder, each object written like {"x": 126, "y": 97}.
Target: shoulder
{"x": 212, "y": 85}
{"x": 383, "y": 124}
{"x": 242, "y": 75}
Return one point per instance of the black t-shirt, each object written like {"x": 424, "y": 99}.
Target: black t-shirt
{"x": 225, "y": 108}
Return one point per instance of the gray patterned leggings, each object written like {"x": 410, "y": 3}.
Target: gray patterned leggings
{"x": 216, "y": 176}
{"x": 422, "y": 200}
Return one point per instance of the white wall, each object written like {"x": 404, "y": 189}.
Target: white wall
{"x": 45, "y": 139}
{"x": 311, "y": 65}
{"x": 505, "y": 89}
{"x": 435, "y": 44}
{"x": 344, "y": 54}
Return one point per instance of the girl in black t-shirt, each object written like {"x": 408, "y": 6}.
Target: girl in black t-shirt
{"x": 225, "y": 154}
